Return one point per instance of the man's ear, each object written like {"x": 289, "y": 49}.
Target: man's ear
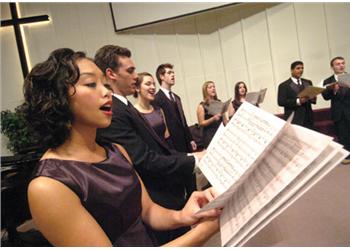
{"x": 161, "y": 76}
{"x": 111, "y": 74}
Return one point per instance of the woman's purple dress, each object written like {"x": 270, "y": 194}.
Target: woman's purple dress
{"x": 109, "y": 190}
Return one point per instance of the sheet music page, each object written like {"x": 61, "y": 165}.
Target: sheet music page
{"x": 297, "y": 148}
{"x": 328, "y": 160}
{"x": 243, "y": 140}
{"x": 344, "y": 80}
{"x": 282, "y": 164}
{"x": 262, "y": 95}
{"x": 311, "y": 91}
{"x": 215, "y": 107}
{"x": 226, "y": 105}
{"x": 252, "y": 97}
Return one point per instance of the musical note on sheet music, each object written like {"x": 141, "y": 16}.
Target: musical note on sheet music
{"x": 240, "y": 144}
{"x": 281, "y": 164}
{"x": 258, "y": 163}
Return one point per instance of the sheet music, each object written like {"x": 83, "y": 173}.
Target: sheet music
{"x": 226, "y": 105}
{"x": 262, "y": 95}
{"x": 311, "y": 91}
{"x": 244, "y": 139}
{"x": 344, "y": 80}
{"x": 215, "y": 107}
{"x": 295, "y": 150}
{"x": 256, "y": 97}
{"x": 258, "y": 163}
{"x": 329, "y": 159}
{"x": 252, "y": 97}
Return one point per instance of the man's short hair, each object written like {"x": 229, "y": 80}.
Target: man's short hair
{"x": 296, "y": 63}
{"x": 108, "y": 57}
{"x": 336, "y": 58}
{"x": 161, "y": 70}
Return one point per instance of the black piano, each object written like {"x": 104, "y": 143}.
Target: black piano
{"x": 15, "y": 175}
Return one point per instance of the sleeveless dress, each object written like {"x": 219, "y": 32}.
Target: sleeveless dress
{"x": 156, "y": 121}
{"x": 236, "y": 104}
{"x": 109, "y": 190}
{"x": 209, "y": 131}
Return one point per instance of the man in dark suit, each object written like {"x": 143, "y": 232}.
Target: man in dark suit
{"x": 172, "y": 107}
{"x": 340, "y": 103}
{"x": 288, "y": 97}
{"x": 161, "y": 169}
{"x": 174, "y": 116}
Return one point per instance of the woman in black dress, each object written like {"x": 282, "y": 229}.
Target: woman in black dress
{"x": 84, "y": 193}
{"x": 240, "y": 94}
{"x": 209, "y": 121}
{"x": 153, "y": 115}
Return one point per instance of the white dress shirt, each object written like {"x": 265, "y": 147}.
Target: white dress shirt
{"x": 121, "y": 98}
{"x": 166, "y": 92}
{"x": 296, "y": 82}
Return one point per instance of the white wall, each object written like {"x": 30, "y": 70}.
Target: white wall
{"x": 253, "y": 42}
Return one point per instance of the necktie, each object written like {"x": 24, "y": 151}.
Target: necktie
{"x": 171, "y": 96}
{"x": 300, "y": 85}
{"x": 174, "y": 103}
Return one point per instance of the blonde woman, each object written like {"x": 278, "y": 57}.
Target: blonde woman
{"x": 206, "y": 119}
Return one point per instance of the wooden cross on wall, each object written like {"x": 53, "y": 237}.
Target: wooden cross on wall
{"x": 16, "y": 22}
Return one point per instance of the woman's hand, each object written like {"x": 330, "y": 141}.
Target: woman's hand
{"x": 188, "y": 215}
{"x": 217, "y": 117}
{"x": 199, "y": 154}
{"x": 198, "y": 235}
{"x": 208, "y": 226}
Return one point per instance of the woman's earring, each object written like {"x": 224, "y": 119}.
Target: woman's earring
{"x": 69, "y": 125}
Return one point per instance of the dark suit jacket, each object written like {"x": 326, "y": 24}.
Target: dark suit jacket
{"x": 287, "y": 96}
{"x": 340, "y": 102}
{"x": 176, "y": 121}
{"x": 160, "y": 168}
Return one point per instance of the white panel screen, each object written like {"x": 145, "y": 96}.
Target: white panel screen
{"x": 129, "y": 15}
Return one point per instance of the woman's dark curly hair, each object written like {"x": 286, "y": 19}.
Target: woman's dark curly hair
{"x": 46, "y": 93}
